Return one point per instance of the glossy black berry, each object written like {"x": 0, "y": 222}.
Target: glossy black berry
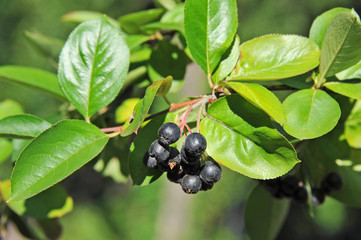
{"x": 169, "y": 133}
{"x": 332, "y": 182}
{"x": 193, "y": 168}
{"x": 191, "y": 184}
{"x": 289, "y": 185}
{"x": 149, "y": 161}
{"x": 300, "y": 195}
{"x": 188, "y": 159}
{"x": 174, "y": 158}
{"x": 175, "y": 177}
{"x": 211, "y": 172}
{"x": 206, "y": 186}
{"x": 160, "y": 152}
{"x": 195, "y": 145}
{"x": 273, "y": 186}
{"x": 318, "y": 196}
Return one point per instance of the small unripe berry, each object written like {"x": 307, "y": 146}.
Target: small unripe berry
{"x": 191, "y": 184}
{"x": 160, "y": 152}
{"x": 211, "y": 172}
{"x": 169, "y": 133}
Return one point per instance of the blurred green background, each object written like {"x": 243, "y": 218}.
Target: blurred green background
{"x": 107, "y": 210}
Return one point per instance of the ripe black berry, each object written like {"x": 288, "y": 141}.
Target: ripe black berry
{"x": 273, "y": 186}
{"x": 160, "y": 152}
{"x": 289, "y": 185}
{"x": 206, "y": 186}
{"x": 332, "y": 182}
{"x": 195, "y": 145}
{"x": 193, "y": 168}
{"x": 191, "y": 184}
{"x": 188, "y": 159}
{"x": 300, "y": 195}
{"x": 169, "y": 133}
{"x": 211, "y": 172}
{"x": 318, "y": 196}
{"x": 175, "y": 177}
{"x": 174, "y": 158}
{"x": 149, "y": 161}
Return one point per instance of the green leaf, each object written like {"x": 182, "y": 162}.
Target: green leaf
{"x": 167, "y": 59}
{"x": 350, "y": 73}
{"x": 228, "y": 62}
{"x": 210, "y": 27}
{"x": 142, "y": 175}
{"x": 276, "y": 56}
{"x": 132, "y": 22}
{"x": 48, "y": 47}
{"x": 52, "y": 203}
{"x": 167, "y": 4}
{"x": 262, "y": 98}
{"x": 161, "y": 26}
{"x": 175, "y": 15}
{"x": 264, "y": 214}
{"x": 321, "y": 23}
{"x": 32, "y": 77}
{"x": 9, "y": 107}
{"x": 22, "y": 126}
{"x": 142, "y": 108}
{"x": 19, "y": 145}
{"x": 6, "y": 148}
{"x": 300, "y": 82}
{"x": 141, "y": 55}
{"x": 352, "y": 90}
{"x": 353, "y": 126}
{"x": 125, "y": 110}
{"x": 341, "y": 46}
{"x": 134, "y": 41}
{"x": 83, "y": 16}
{"x": 310, "y": 113}
{"x": 242, "y": 138}
{"x": 93, "y": 65}
{"x": 54, "y": 155}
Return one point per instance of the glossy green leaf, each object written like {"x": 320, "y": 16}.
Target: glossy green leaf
{"x": 264, "y": 214}
{"x": 276, "y": 56}
{"x": 160, "y": 26}
{"x": 52, "y": 203}
{"x": 175, "y": 15}
{"x": 242, "y": 137}
{"x": 9, "y": 107}
{"x": 262, "y": 98}
{"x": 141, "y": 55}
{"x": 132, "y": 22}
{"x": 352, "y": 90}
{"x": 321, "y": 23}
{"x": 125, "y": 110}
{"x": 83, "y": 16}
{"x": 54, "y": 155}
{"x": 166, "y": 60}
{"x": 134, "y": 41}
{"x": 18, "y": 146}
{"x": 48, "y": 47}
{"x": 341, "y": 46}
{"x": 142, "y": 108}
{"x": 6, "y": 148}
{"x": 310, "y": 113}
{"x": 228, "y": 62}
{"x": 32, "y": 77}
{"x": 300, "y": 82}
{"x": 93, "y": 65}
{"x": 353, "y": 72}
{"x": 22, "y": 126}
{"x": 142, "y": 175}
{"x": 210, "y": 27}
{"x": 167, "y": 4}
{"x": 353, "y": 126}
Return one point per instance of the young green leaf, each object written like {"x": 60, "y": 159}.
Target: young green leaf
{"x": 141, "y": 174}
{"x": 93, "y": 65}
{"x": 310, "y": 113}
{"x": 167, "y": 4}
{"x": 9, "y": 107}
{"x": 142, "y": 108}
{"x": 32, "y": 77}
{"x": 125, "y": 110}
{"x": 353, "y": 126}
{"x": 131, "y": 23}
{"x": 350, "y": 73}
{"x": 276, "y": 56}
{"x": 262, "y": 98}
{"x": 264, "y": 214}
{"x": 134, "y": 41}
{"x": 228, "y": 62}
{"x": 241, "y": 137}
{"x": 167, "y": 59}
{"x": 18, "y": 146}
{"x": 54, "y": 155}
{"x": 321, "y": 23}
{"x": 210, "y": 27}
{"x": 22, "y": 126}
{"x": 83, "y": 16}
{"x": 6, "y": 148}
{"x": 352, "y": 90}
{"x": 52, "y": 203}
{"x": 341, "y": 46}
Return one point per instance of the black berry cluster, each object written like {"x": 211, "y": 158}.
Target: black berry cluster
{"x": 182, "y": 167}
{"x": 329, "y": 184}
{"x": 287, "y": 187}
